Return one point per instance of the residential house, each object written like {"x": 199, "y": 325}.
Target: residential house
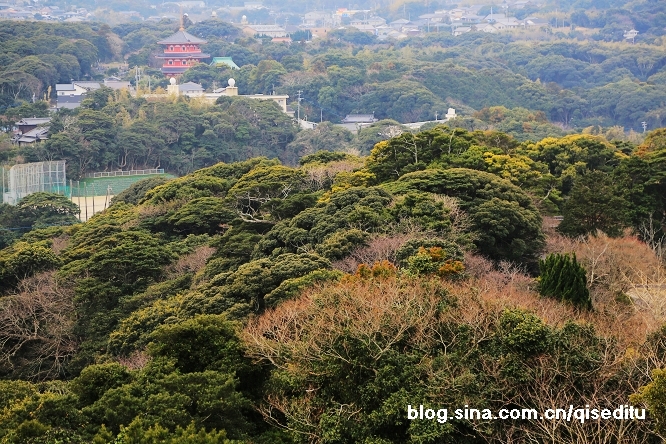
{"x": 411, "y": 31}
{"x": 69, "y": 102}
{"x": 38, "y": 134}
{"x": 360, "y": 118}
{"x": 471, "y": 19}
{"x": 76, "y": 88}
{"x": 383, "y": 30}
{"x": 430, "y": 18}
{"x": 375, "y": 21}
{"x": 116, "y": 84}
{"x": 534, "y": 21}
{"x": 190, "y": 89}
{"x": 354, "y": 122}
{"x": 457, "y": 13}
{"x": 30, "y": 123}
{"x": 399, "y": 24}
{"x": 70, "y": 95}
{"x": 502, "y": 23}
{"x": 460, "y": 30}
{"x": 32, "y": 130}
{"x": 364, "y": 27}
{"x": 487, "y": 28}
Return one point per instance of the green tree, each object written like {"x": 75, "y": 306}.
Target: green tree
{"x": 137, "y": 191}
{"x": 40, "y": 210}
{"x": 563, "y": 278}
{"x": 503, "y": 217}
{"x": 324, "y": 137}
{"x": 594, "y": 203}
{"x": 22, "y": 260}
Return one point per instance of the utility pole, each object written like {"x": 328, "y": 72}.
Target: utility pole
{"x": 321, "y": 115}
{"x": 644, "y": 124}
{"x": 435, "y": 116}
{"x": 137, "y": 76}
{"x": 299, "y": 105}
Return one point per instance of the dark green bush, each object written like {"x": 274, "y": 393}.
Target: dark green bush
{"x": 563, "y": 278}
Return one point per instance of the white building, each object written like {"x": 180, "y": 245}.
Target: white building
{"x": 265, "y": 30}
{"x": 194, "y": 90}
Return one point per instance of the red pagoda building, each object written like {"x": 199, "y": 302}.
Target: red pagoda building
{"x": 181, "y": 51}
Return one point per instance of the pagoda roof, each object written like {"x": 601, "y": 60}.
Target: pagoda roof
{"x": 181, "y": 36}
{"x": 182, "y": 55}
{"x": 173, "y": 69}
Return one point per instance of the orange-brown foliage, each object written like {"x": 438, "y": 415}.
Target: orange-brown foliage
{"x": 191, "y": 262}
{"x": 378, "y": 313}
{"x": 59, "y": 243}
{"x": 36, "y": 327}
{"x": 626, "y": 278}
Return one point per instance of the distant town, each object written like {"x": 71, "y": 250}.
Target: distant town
{"x": 257, "y": 20}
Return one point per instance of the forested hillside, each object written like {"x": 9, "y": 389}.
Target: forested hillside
{"x": 262, "y": 303}
{"x": 307, "y": 286}
{"x": 569, "y": 78}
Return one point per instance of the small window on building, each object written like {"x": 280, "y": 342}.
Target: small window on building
{"x": 171, "y": 48}
{"x": 170, "y": 62}
{"x": 184, "y": 48}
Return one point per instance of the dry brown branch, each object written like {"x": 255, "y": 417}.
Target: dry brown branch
{"x": 626, "y": 277}
{"x": 319, "y": 177}
{"x": 191, "y": 262}
{"x": 379, "y": 248}
{"x": 299, "y": 334}
{"x": 36, "y": 337}
{"x": 460, "y": 221}
{"x": 136, "y": 361}
{"x": 60, "y": 243}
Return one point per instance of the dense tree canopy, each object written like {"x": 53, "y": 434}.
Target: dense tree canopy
{"x": 277, "y": 293}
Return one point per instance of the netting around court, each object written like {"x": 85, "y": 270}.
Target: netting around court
{"x": 101, "y": 186}
{"x": 27, "y": 178}
{"x": 24, "y": 179}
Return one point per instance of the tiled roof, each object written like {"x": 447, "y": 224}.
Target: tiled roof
{"x": 174, "y": 69}
{"x": 35, "y": 135}
{"x": 70, "y": 101}
{"x": 183, "y": 55}
{"x": 181, "y": 37}
{"x": 359, "y": 118}
{"x": 224, "y": 61}
{"x": 190, "y": 86}
{"x": 33, "y": 121}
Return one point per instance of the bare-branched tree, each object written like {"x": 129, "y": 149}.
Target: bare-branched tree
{"x": 36, "y": 328}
